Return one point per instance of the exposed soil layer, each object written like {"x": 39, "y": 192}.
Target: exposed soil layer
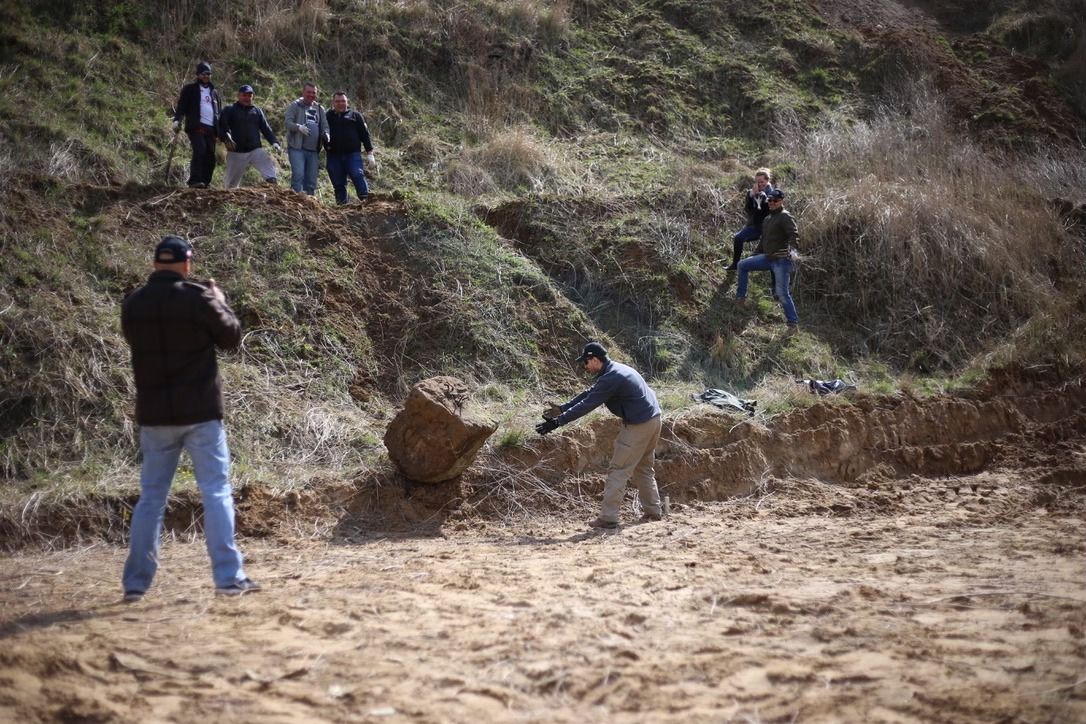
{"x": 892, "y": 559}
{"x": 931, "y": 599}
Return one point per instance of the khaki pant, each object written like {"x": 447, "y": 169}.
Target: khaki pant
{"x": 634, "y": 457}
{"x": 237, "y": 163}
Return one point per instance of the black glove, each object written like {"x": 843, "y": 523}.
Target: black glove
{"x": 546, "y": 426}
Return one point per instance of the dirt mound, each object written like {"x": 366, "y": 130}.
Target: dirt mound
{"x": 714, "y": 456}
{"x": 875, "y": 453}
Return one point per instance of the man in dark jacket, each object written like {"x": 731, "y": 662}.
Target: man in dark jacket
{"x": 626, "y": 395}
{"x": 756, "y": 208}
{"x": 240, "y": 127}
{"x": 199, "y": 105}
{"x": 173, "y": 327}
{"x": 779, "y": 235}
{"x": 349, "y": 134}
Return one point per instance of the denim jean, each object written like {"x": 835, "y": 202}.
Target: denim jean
{"x": 342, "y": 165}
{"x": 161, "y": 447}
{"x": 303, "y": 169}
{"x": 747, "y": 233}
{"x": 782, "y": 273}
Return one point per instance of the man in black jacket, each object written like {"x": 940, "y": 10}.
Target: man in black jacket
{"x": 240, "y": 128}
{"x": 199, "y": 105}
{"x": 348, "y": 134}
{"x": 173, "y": 327}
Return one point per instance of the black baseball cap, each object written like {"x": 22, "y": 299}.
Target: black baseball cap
{"x": 245, "y": 89}
{"x": 774, "y": 194}
{"x": 172, "y": 249}
{"x": 202, "y": 68}
{"x": 592, "y": 349}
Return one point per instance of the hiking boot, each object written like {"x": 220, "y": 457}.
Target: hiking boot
{"x": 602, "y": 523}
{"x": 741, "y": 301}
{"x": 647, "y": 517}
{"x": 132, "y": 596}
{"x": 732, "y": 267}
{"x": 238, "y": 588}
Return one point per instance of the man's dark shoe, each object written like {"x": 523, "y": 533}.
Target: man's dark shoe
{"x": 238, "y": 588}
{"x": 604, "y": 524}
{"x": 732, "y": 267}
{"x": 651, "y": 517}
{"x": 132, "y": 596}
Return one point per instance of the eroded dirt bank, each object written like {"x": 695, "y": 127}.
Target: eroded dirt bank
{"x": 891, "y": 559}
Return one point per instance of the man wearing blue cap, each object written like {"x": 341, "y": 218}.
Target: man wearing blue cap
{"x": 624, "y": 391}
{"x": 241, "y": 126}
{"x": 173, "y": 327}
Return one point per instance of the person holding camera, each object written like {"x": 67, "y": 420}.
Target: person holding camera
{"x": 625, "y": 393}
{"x": 173, "y": 327}
{"x": 757, "y": 209}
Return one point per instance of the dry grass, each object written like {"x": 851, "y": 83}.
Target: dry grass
{"x": 929, "y": 243}
{"x": 515, "y": 159}
{"x": 267, "y": 30}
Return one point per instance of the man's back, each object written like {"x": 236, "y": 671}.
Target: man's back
{"x": 173, "y": 327}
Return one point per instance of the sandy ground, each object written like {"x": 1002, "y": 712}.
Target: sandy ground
{"x": 954, "y": 599}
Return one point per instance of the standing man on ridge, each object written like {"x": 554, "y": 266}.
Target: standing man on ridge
{"x": 199, "y": 105}
{"x": 626, "y": 395}
{"x": 173, "y": 327}
{"x": 349, "y": 134}
{"x": 307, "y": 131}
{"x": 241, "y": 126}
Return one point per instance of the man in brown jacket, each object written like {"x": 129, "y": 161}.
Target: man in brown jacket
{"x": 173, "y": 327}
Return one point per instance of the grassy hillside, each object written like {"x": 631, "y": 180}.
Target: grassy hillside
{"x": 550, "y": 172}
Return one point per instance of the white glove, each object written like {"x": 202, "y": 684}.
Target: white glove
{"x": 176, "y": 126}
{"x": 369, "y": 158}
{"x": 304, "y": 130}
{"x": 277, "y": 148}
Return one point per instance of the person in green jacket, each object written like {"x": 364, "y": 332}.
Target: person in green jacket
{"x": 779, "y": 236}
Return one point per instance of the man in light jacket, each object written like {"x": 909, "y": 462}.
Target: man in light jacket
{"x": 307, "y": 131}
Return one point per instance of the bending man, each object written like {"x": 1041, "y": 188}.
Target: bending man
{"x": 624, "y": 391}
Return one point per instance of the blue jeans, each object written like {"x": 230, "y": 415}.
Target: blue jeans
{"x": 303, "y": 169}
{"x": 782, "y": 273}
{"x": 342, "y": 165}
{"x": 161, "y": 447}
